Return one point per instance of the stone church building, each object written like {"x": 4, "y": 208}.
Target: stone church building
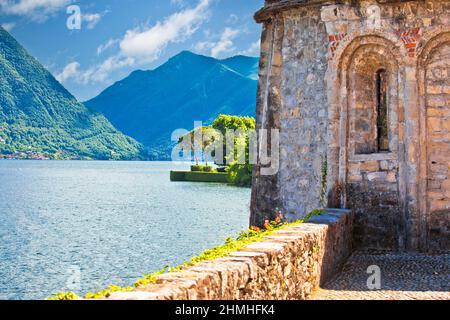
{"x": 360, "y": 94}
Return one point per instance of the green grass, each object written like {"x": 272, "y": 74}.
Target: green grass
{"x": 231, "y": 245}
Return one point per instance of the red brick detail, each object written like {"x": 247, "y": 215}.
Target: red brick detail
{"x": 335, "y": 40}
{"x": 410, "y": 37}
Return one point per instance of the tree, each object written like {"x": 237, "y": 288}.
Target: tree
{"x": 240, "y": 173}
{"x": 214, "y": 138}
{"x": 208, "y": 140}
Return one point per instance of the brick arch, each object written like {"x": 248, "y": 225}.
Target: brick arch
{"x": 433, "y": 38}
{"x": 434, "y": 223}
{"x": 344, "y": 54}
{"x": 364, "y": 63}
{"x": 344, "y": 161}
{"x": 337, "y": 97}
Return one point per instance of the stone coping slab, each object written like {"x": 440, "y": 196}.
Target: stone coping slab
{"x": 289, "y": 264}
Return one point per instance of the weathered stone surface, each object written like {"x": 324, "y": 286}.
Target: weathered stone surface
{"x": 329, "y": 70}
{"x": 438, "y": 86}
{"x": 288, "y": 265}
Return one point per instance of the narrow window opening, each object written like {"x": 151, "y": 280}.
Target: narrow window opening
{"x": 382, "y": 112}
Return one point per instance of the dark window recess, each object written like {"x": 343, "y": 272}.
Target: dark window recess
{"x": 382, "y": 111}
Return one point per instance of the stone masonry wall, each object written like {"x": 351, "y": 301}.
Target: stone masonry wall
{"x": 288, "y": 265}
{"x": 438, "y": 123}
{"x": 327, "y": 56}
{"x": 304, "y": 112}
{"x": 265, "y": 197}
{"x": 292, "y": 98}
{"x": 383, "y": 188}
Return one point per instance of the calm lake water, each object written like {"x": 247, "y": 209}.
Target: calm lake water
{"x": 104, "y": 223}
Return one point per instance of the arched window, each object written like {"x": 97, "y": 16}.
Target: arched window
{"x": 382, "y": 111}
{"x": 370, "y": 88}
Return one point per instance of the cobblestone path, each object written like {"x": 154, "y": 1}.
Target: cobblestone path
{"x": 403, "y": 277}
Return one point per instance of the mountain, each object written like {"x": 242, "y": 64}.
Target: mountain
{"x": 247, "y": 66}
{"x": 39, "y": 116}
{"x": 150, "y": 105}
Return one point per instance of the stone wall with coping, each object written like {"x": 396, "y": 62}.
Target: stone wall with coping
{"x": 289, "y": 264}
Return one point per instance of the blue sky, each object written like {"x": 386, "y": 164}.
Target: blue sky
{"x": 119, "y": 36}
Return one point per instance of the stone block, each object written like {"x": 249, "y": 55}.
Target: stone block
{"x": 377, "y": 176}
{"x": 370, "y": 166}
{"x": 392, "y": 177}
{"x": 302, "y": 257}
{"x": 435, "y": 89}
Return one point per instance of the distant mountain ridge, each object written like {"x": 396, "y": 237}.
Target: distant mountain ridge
{"x": 39, "y": 116}
{"x": 150, "y": 105}
{"x": 246, "y": 66}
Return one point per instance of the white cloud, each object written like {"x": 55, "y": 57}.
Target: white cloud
{"x": 225, "y": 44}
{"x": 91, "y": 19}
{"x": 8, "y": 26}
{"x": 97, "y": 73}
{"x": 40, "y": 10}
{"x": 179, "y": 3}
{"x": 233, "y": 19}
{"x": 100, "y": 72}
{"x": 148, "y": 43}
{"x": 253, "y": 50}
{"x": 105, "y": 46}
{"x": 35, "y": 9}
{"x": 203, "y": 46}
{"x": 68, "y": 72}
{"x": 141, "y": 46}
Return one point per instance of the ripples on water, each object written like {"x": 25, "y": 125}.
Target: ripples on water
{"x": 113, "y": 221}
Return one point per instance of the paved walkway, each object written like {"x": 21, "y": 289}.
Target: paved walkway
{"x": 403, "y": 277}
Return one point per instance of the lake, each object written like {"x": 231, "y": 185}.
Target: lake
{"x": 81, "y": 226}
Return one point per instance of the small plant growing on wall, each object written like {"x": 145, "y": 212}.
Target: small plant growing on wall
{"x": 323, "y": 191}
